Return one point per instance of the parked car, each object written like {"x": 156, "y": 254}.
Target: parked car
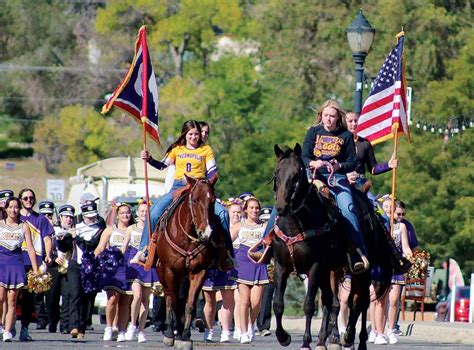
{"x": 461, "y": 304}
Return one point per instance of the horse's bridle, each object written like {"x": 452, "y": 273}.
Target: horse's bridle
{"x": 193, "y": 216}
{"x": 295, "y": 189}
{"x": 188, "y": 254}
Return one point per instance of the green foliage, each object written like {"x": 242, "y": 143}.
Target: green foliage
{"x": 78, "y": 136}
{"x": 435, "y": 180}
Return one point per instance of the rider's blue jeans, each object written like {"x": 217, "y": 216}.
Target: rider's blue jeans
{"x": 342, "y": 192}
{"x": 159, "y": 207}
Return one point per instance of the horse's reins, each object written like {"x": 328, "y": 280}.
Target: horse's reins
{"x": 188, "y": 254}
{"x": 330, "y": 168}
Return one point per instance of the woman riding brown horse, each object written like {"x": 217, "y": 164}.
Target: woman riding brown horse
{"x": 185, "y": 250}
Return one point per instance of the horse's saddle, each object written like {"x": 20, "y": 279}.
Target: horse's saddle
{"x": 362, "y": 208}
{"x": 178, "y": 198}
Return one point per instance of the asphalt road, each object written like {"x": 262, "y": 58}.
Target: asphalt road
{"x": 93, "y": 340}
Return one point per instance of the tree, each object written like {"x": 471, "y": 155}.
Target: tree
{"x": 79, "y": 135}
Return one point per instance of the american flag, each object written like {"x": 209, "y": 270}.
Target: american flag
{"x": 137, "y": 94}
{"x": 384, "y": 111}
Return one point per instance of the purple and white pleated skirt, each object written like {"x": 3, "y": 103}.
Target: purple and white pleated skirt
{"x": 398, "y": 279}
{"x": 12, "y": 271}
{"x": 136, "y": 273}
{"x": 217, "y": 280}
{"x": 118, "y": 282}
{"x": 249, "y": 272}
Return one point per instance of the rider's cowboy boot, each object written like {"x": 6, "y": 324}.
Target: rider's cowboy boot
{"x": 400, "y": 264}
{"x": 224, "y": 261}
{"x": 358, "y": 262}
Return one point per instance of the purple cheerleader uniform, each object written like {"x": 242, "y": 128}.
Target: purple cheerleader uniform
{"x": 136, "y": 272}
{"x": 249, "y": 272}
{"x": 217, "y": 280}
{"x": 12, "y": 271}
{"x": 397, "y": 238}
{"x": 118, "y": 281}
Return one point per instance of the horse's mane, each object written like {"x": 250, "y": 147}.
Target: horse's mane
{"x": 181, "y": 191}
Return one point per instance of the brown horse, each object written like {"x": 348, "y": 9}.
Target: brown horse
{"x": 309, "y": 239}
{"x": 185, "y": 250}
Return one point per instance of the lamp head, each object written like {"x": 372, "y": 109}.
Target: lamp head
{"x": 360, "y": 35}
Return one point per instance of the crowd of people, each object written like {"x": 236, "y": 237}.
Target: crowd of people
{"x": 38, "y": 241}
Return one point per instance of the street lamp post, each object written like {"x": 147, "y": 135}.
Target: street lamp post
{"x": 360, "y": 35}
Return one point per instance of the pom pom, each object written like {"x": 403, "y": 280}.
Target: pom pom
{"x": 420, "y": 261}
{"x": 40, "y": 282}
{"x": 157, "y": 289}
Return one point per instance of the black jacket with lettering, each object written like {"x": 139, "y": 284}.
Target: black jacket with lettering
{"x": 320, "y": 144}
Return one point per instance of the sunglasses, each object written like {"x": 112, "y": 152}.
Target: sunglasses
{"x": 31, "y": 199}
{"x": 400, "y": 214}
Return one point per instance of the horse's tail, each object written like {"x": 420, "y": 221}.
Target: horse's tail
{"x": 380, "y": 257}
{"x": 377, "y": 244}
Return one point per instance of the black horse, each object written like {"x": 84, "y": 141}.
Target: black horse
{"x": 309, "y": 239}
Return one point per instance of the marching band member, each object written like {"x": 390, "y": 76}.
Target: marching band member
{"x": 86, "y": 238}
{"x": 62, "y": 251}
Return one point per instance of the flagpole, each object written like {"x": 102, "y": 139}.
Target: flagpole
{"x": 144, "y": 119}
{"x": 394, "y": 181}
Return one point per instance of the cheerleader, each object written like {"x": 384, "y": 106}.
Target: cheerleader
{"x": 12, "y": 273}
{"x": 141, "y": 280}
{"x": 4, "y": 195}
{"x": 251, "y": 277}
{"x": 235, "y": 215}
{"x": 118, "y": 291}
{"x": 223, "y": 282}
{"x": 41, "y": 232}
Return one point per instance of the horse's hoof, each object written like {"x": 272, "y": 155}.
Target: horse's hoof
{"x": 345, "y": 341}
{"x": 320, "y": 347}
{"x": 168, "y": 341}
{"x": 334, "y": 347}
{"x": 305, "y": 348}
{"x": 285, "y": 340}
{"x": 185, "y": 345}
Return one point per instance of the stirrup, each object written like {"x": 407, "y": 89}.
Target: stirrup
{"x": 358, "y": 267}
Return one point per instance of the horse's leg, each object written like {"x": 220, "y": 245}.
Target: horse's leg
{"x": 168, "y": 334}
{"x": 359, "y": 305}
{"x": 333, "y": 331}
{"x": 309, "y": 304}
{"x": 279, "y": 279}
{"x": 195, "y": 285}
{"x": 363, "y": 336}
{"x": 172, "y": 319}
{"x": 327, "y": 300}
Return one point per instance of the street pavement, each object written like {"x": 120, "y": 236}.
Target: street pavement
{"x": 424, "y": 335}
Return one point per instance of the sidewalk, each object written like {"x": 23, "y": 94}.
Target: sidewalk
{"x": 457, "y": 332}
